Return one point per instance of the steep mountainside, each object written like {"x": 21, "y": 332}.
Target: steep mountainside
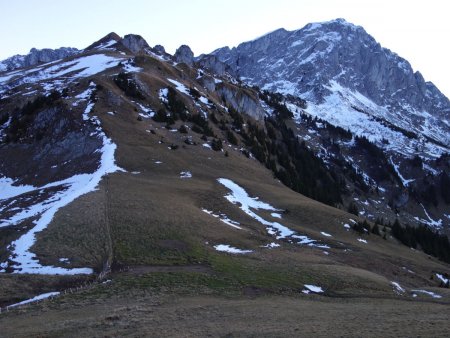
{"x": 139, "y": 189}
{"x": 346, "y": 79}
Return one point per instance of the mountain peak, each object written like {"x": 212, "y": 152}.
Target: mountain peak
{"x": 104, "y": 40}
{"x": 184, "y": 54}
{"x": 337, "y": 25}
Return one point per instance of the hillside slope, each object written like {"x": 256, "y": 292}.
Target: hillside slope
{"x": 134, "y": 192}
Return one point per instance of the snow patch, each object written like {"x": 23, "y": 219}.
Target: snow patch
{"x": 185, "y": 174}
{"x": 130, "y": 68}
{"x": 231, "y": 249}
{"x": 325, "y": 234}
{"x": 163, "y": 92}
{"x": 397, "y": 288}
{"x": 180, "y": 87}
{"x": 312, "y": 288}
{"x": 223, "y": 218}
{"x": 271, "y": 245}
{"x": 429, "y": 293}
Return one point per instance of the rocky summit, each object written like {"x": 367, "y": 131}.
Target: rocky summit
{"x": 278, "y": 188}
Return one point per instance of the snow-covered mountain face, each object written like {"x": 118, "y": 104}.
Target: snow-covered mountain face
{"x": 341, "y": 70}
{"x": 348, "y": 80}
{"x": 35, "y": 57}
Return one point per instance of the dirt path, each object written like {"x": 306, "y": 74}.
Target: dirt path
{"x": 201, "y": 316}
{"x": 143, "y": 269}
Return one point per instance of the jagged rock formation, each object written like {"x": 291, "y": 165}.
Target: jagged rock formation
{"x": 184, "y": 54}
{"x": 36, "y": 56}
{"x": 135, "y": 43}
{"x": 214, "y": 65}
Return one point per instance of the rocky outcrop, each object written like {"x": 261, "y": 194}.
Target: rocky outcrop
{"x": 135, "y": 43}
{"x": 56, "y": 145}
{"x": 184, "y": 54}
{"x": 214, "y": 65}
{"x": 160, "y": 51}
{"x": 241, "y": 100}
{"x": 36, "y": 56}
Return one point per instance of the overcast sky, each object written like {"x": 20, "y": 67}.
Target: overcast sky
{"x": 419, "y": 31}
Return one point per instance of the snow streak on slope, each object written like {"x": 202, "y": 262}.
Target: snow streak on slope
{"x": 231, "y": 249}
{"x": 22, "y": 259}
{"x": 240, "y": 197}
{"x": 35, "y": 299}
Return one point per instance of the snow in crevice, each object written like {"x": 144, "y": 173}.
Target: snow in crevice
{"x": 405, "y": 181}
{"x": 22, "y": 260}
{"x": 430, "y": 222}
{"x": 442, "y": 278}
{"x": 239, "y": 196}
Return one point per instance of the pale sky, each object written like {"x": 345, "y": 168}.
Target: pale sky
{"x": 418, "y": 31}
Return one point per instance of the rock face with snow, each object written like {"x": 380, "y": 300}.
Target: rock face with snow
{"x": 213, "y": 64}
{"x": 307, "y": 62}
{"x": 36, "y": 56}
{"x": 184, "y": 54}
